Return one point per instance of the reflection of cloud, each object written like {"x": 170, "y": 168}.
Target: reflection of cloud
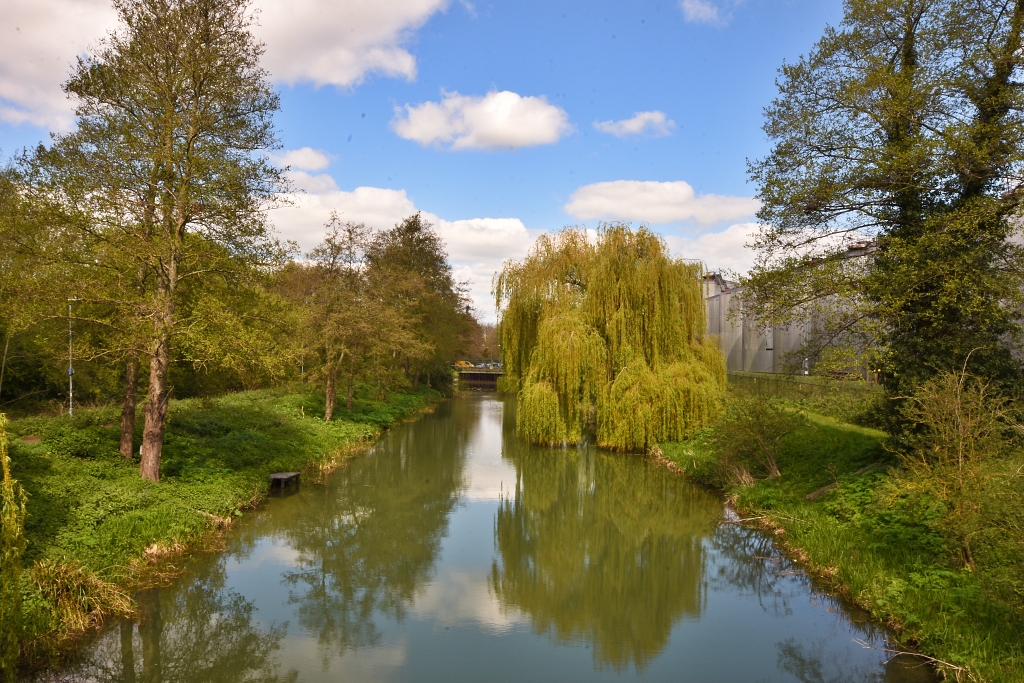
{"x": 461, "y": 597}
{"x": 368, "y": 664}
{"x": 487, "y": 476}
{"x": 265, "y": 551}
{"x": 476, "y": 246}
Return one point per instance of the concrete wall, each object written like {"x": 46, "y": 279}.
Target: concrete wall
{"x": 746, "y": 346}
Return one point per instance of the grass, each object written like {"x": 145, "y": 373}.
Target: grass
{"x": 876, "y": 547}
{"x": 94, "y": 528}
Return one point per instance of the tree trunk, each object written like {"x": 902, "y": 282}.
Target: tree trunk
{"x": 158, "y": 395}
{"x": 127, "y": 653}
{"x": 131, "y": 385}
{"x": 351, "y": 386}
{"x": 3, "y": 365}
{"x": 416, "y": 380}
{"x": 150, "y": 628}
{"x": 332, "y": 390}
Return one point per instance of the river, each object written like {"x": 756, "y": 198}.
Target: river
{"x": 454, "y": 552}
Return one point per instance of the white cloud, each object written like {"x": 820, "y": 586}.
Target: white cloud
{"x": 700, "y": 11}
{"x": 39, "y": 41}
{"x": 476, "y": 246}
{"x": 327, "y": 42}
{"x": 656, "y": 202}
{"x": 498, "y": 120}
{"x": 324, "y": 42}
{"x": 303, "y": 159}
{"x": 650, "y": 122}
{"x": 724, "y": 250}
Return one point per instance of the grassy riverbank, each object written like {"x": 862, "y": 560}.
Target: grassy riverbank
{"x": 95, "y": 530}
{"x": 879, "y": 548}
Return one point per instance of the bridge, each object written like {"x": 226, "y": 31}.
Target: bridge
{"x": 479, "y": 378}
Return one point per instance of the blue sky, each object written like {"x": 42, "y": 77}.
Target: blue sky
{"x": 498, "y": 120}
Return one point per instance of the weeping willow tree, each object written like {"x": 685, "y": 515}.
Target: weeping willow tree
{"x": 12, "y": 544}
{"x": 610, "y": 334}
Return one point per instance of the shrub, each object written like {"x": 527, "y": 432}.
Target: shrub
{"x": 951, "y": 457}
{"x": 12, "y": 545}
{"x": 750, "y": 434}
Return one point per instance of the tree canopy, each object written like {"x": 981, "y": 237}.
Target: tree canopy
{"x": 164, "y": 180}
{"x": 609, "y": 332}
{"x": 902, "y": 130}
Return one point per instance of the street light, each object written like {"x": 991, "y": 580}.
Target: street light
{"x": 71, "y": 368}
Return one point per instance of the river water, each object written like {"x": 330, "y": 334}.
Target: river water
{"x": 455, "y": 552}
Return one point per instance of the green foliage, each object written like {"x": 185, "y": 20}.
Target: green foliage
{"x": 12, "y": 545}
{"x": 884, "y": 198}
{"x": 883, "y": 539}
{"x": 965, "y": 472}
{"x": 610, "y": 335}
{"x": 539, "y": 414}
{"x": 751, "y": 433}
{"x": 379, "y": 308}
{"x": 91, "y": 519}
{"x": 161, "y": 190}
{"x": 408, "y": 267}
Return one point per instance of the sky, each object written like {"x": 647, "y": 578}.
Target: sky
{"x": 497, "y": 121}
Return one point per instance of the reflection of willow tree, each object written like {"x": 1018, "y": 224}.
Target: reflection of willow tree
{"x": 601, "y": 548}
{"x": 369, "y": 540}
{"x": 197, "y": 631}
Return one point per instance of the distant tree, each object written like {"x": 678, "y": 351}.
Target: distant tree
{"x": 483, "y": 341}
{"x": 174, "y": 114}
{"x": 358, "y": 320}
{"x": 904, "y": 126}
{"x": 408, "y": 266}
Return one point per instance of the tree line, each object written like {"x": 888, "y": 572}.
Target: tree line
{"x": 146, "y": 230}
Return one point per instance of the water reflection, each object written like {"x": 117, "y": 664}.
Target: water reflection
{"x": 601, "y": 548}
{"x": 369, "y": 540}
{"x": 454, "y": 552}
{"x": 198, "y": 631}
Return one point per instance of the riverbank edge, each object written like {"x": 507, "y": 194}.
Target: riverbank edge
{"x": 837, "y": 577}
{"x": 163, "y": 562}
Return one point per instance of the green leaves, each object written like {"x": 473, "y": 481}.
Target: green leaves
{"x": 12, "y": 545}
{"x": 902, "y": 129}
{"x": 609, "y": 334}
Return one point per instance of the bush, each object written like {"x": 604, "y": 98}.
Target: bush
{"x": 953, "y": 451}
{"x": 749, "y": 435}
{"x": 12, "y": 545}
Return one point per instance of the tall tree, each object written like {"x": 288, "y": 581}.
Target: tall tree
{"x": 409, "y": 264}
{"x": 337, "y": 307}
{"x": 174, "y": 113}
{"x": 612, "y": 333}
{"x": 903, "y": 127}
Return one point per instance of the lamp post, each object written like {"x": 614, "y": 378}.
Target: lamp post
{"x": 71, "y": 367}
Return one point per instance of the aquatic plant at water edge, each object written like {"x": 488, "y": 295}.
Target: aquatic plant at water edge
{"x": 610, "y": 334}
{"x": 12, "y": 545}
